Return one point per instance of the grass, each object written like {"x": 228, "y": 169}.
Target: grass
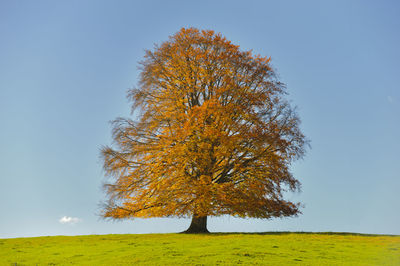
{"x": 279, "y": 248}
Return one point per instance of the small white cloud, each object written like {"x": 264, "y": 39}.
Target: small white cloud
{"x": 390, "y": 99}
{"x": 69, "y": 220}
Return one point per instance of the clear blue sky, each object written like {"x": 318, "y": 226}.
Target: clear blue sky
{"x": 65, "y": 67}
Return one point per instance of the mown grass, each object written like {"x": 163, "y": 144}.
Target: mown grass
{"x": 282, "y": 248}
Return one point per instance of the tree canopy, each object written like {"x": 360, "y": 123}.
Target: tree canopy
{"x": 212, "y": 135}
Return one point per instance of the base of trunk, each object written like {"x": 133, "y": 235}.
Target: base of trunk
{"x": 198, "y": 225}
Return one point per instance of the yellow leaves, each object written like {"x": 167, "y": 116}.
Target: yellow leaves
{"x": 214, "y": 135}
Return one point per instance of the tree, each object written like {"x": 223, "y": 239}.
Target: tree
{"x": 213, "y": 136}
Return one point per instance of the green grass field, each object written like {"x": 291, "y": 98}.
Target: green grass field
{"x": 210, "y": 249}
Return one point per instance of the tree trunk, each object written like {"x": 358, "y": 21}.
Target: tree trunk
{"x": 198, "y": 225}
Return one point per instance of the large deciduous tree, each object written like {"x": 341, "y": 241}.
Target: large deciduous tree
{"x": 212, "y": 135}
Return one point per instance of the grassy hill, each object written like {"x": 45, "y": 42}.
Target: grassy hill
{"x": 275, "y": 248}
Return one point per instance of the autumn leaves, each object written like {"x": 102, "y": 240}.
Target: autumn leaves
{"x": 214, "y": 136}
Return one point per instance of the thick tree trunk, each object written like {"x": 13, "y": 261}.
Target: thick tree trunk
{"x": 198, "y": 225}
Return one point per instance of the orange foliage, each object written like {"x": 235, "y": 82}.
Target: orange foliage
{"x": 214, "y": 135}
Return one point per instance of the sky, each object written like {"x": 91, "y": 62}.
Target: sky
{"x": 65, "y": 68}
